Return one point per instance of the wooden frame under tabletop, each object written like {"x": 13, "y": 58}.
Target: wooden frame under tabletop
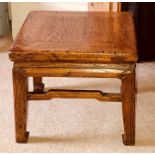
{"x": 124, "y": 72}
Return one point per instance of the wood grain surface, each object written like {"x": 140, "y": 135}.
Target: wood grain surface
{"x": 76, "y": 36}
{"x": 85, "y": 94}
{"x": 74, "y": 70}
{"x": 75, "y": 44}
{"x": 20, "y": 87}
{"x": 128, "y": 108}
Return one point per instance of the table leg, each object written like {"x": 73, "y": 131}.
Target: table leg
{"x": 20, "y": 85}
{"x": 38, "y": 85}
{"x": 128, "y": 108}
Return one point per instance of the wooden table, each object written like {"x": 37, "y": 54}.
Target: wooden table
{"x": 75, "y": 44}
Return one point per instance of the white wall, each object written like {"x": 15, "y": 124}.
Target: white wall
{"x": 20, "y": 10}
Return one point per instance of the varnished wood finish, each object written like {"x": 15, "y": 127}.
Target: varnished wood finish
{"x": 119, "y": 66}
{"x": 85, "y": 94}
{"x": 20, "y": 85}
{"x": 128, "y": 108}
{"x": 75, "y": 72}
{"x": 76, "y": 37}
{"x": 75, "y": 44}
{"x": 125, "y": 72}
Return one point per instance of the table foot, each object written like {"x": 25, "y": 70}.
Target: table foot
{"x": 23, "y": 139}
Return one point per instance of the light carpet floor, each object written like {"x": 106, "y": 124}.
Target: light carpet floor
{"x": 64, "y": 125}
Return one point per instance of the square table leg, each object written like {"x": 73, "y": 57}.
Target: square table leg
{"x": 20, "y": 86}
{"x": 38, "y": 84}
{"x": 128, "y": 108}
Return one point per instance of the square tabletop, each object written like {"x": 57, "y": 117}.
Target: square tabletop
{"x": 99, "y": 37}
